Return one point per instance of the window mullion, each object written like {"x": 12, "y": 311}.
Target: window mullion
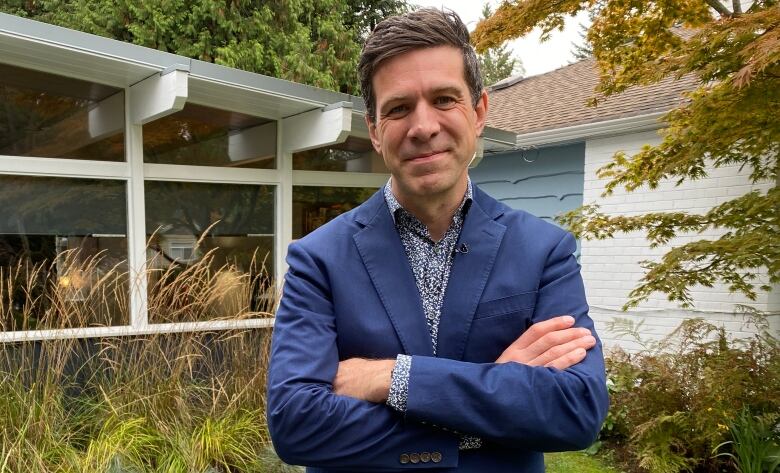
{"x": 136, "y": 221}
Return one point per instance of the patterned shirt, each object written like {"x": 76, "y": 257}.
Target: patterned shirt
{"x": 431, "y": 262}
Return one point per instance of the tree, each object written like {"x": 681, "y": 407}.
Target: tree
{"x": 363, "y": 15}
{"x": 315, "y": 42}
{"x": 730, "y": 119}
{"x": 496, "y": 63}
{"x": 582, "y": 49}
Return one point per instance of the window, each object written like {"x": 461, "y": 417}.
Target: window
{"x": 354, "y": 155}
{"x": 204, "y": 136}
{"x": 315, "y": 206}
{"x": 210, "y": 250}
{"x": 48, "y": 116}
{"x": 63, "y": 253}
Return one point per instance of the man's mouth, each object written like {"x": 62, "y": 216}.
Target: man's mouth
{"x": 425, "y": 156}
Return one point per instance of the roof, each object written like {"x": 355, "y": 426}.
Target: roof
{"x": 558, "y": 99}
{"x": 34, "y": 45}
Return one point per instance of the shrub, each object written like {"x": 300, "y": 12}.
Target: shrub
{"x": 672, "y": 403}
{"x": 754, "y": 444}
{"x": 179, "y": 402}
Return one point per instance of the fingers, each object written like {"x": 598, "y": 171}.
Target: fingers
{"x": 553, "y": 340}
{"x": 540, "y": 329}
{"x": 559, "y": 355}
{"x": 569, "y": 359}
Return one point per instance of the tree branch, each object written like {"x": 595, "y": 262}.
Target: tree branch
{"x": 719, "y": 7}
{"x": 736, "y": 5}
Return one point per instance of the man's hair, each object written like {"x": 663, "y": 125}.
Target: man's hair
{"x": 419, "y": 29}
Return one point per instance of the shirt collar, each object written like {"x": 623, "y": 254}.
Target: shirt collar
{"x": 395, "y": 206}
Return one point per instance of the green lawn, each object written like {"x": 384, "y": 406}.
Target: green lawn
{"x": 576, "y": 462}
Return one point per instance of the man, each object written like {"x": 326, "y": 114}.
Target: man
{"x": 432, "y": 327}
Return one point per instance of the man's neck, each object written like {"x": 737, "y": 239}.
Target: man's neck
{"x": 433, "y": 211}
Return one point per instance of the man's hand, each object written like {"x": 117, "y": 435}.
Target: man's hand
{"x": 552, "y": 343}
{"x": 368, "y": 380}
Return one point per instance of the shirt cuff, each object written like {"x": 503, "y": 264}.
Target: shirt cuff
{"x": 468, "y": 442}
{"x": 399, "y": 383}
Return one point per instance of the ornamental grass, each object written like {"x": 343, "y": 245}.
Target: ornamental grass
{"x": 172, "y": 402}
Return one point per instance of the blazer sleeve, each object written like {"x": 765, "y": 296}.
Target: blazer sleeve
{"x": 309, "y": 424}
{"x": 542, "y": 409}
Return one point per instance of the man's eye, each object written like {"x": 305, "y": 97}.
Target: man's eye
{"x": 445, "y": 100}
{"x": 397, "y": 110}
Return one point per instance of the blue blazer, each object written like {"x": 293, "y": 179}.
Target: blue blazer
{"x": 349, "y": 292}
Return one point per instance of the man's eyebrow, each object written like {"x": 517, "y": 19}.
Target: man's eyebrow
{"x": 448, "y": 89}
{"x": 396, "y": 98}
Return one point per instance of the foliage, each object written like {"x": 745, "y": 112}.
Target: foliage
{"x": 363, "y": 15}
{"x": 575, "y": 462}
{"x": 179, "y": 402}
{"x": 315, "y": 42}
{"x": 582, "y": 49}
{"x": 673, "y": 402}
{"x": 754, "y": 443}
{"x": 729, "y": 120}
{"x": 497, "y": 63}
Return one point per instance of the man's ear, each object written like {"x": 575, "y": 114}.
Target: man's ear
{"x": 373, "y": 134}
{"x": 481, "y": 110}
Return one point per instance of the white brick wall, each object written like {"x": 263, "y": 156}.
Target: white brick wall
{"x": 611, "y": 267}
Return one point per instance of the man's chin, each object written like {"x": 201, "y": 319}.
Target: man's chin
{"x": 429, "y": 188}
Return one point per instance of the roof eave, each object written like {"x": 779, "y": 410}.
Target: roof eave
{"x": 496, "y": 139}
{"x": 600, "y": 129}
{"x": 57, "y": 50}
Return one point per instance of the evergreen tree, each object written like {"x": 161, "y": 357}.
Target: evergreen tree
{"x": 582, "y": 48}
{"x": 496, "y": 63}
{"x": 363, "y": 15}
{"x": 316, "y": 42}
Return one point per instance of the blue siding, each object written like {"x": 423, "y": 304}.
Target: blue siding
{"x": 545, "y": 182}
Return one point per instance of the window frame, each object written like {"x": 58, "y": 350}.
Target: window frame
{"x": 134, "y": 172}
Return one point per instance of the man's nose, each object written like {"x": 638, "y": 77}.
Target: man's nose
{"x": 424, "y": 122}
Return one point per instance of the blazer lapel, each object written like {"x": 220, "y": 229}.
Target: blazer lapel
{"x": 385, "y": 260}
{"x": 470, "y": 271}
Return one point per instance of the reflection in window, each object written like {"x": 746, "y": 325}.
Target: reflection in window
{"x": 315, "y": 206}
{"x": 203, "y": 136}
{"x": 210, "y": 250}
{"x": 49, "y": 116}
{"x": 63, "y": 253}
{"x": 354, "y": 155}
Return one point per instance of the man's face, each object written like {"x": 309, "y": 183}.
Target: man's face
{"x": 426, "y": 127}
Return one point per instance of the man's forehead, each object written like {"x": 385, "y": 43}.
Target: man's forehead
{"x": 424, "y": 53}
{"x": 399, "y": 73}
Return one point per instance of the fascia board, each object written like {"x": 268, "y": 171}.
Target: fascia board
{"x": 76, "y": 54}
{"x": 496, "y": 139}
{"x": 36, "y": 45}
{"x": 258, "y": 83}
{"x": 601, "y": 129}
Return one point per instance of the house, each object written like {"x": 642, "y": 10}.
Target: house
{"x": 562, "y": 142}
{"x": 120, "y": 163}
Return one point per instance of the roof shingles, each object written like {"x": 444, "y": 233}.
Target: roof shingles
{"x": 558, "y": 99}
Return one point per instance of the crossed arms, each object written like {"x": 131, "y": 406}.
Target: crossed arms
{"x": 545, "y": 391}
{"x": 553, "y": 343}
